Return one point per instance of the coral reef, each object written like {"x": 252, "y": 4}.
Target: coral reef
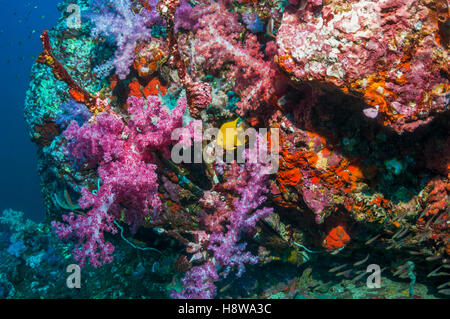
{"x": 353, "y": 97}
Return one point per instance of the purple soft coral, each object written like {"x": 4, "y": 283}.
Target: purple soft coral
{"x": 251, "y": 185}
{"x": 90, "y": 229}
{"x": 125, "y": 165}
{"x": 72, "y": 110}
{"x": 127, "y": 28}
{"x": 184, "y": 18}
{"x": 227, "y": 250}
{"x": 199, "y": 283}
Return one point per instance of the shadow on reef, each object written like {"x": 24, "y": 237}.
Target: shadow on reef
{"x": 402, "y": 160}
{"x": 396, "y": 172}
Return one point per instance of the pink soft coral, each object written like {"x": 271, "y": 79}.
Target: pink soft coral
{"x": 217, "y": 43}
{"x": 89, "y": 230}
{"x": 227, "y": 224}
{"x": 125, "y": 165}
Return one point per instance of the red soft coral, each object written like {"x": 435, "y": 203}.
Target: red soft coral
{"x": 217, "y": 43}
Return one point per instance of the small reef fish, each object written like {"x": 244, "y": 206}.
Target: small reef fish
{"x": 322, "y": 286}
{"x": 371, "y": 240}
{"x": 399, "y": 270}
{"x": 423, "y": 236}
{"x": 231, "y": 135}
{"x": 443, "y": 285}
{"x": 400, "y": 233}
{"x": 269, "y": 28}
{"x": 433, "y": 258}
{"x": 394, "y": 245}
{"x": 438, "y": 220}
{"x": 401, "y": 216}
{"x": 225, "y": 288}
{"x": 345, "y": 273}
{"x": 431, "y": 274}
{"x": 338, "y": 268}
{"x": 445, "y": 292}
{"x": 362, "y": 261}
{"x": 359, "y": 277}
{"x": 416, "y": 253}
{"x": 435, "y": 273}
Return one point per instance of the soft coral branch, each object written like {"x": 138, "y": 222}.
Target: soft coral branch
{"x": 89, "y": 229}
{"x": 122, "y": 155}
{"x": 227, "y": 224}
{"x": 126, "y": 27}
{"x": 217, "y": 42}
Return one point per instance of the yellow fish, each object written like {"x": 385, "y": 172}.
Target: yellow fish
{"x": 228, "y": 135}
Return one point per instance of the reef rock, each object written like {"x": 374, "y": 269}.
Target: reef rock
{"x": 392, "y": 54}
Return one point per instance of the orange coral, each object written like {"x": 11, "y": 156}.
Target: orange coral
{"x": 135, "y": 89}
{"x": 375, "y": 92}
{"x": 344, "y": 174}
{"x": 336, "y": 238}
{"x": 290, "y": 177}
{"x": 289, "y": 173}
{"x": 149, "y": 57}
{"x": 286, "y": 62}
{"x": 77, "y": 95}
{"x": 281, "y": 202}
{"x": 437, "y": 198}
{"x": 355, "y": 173}
{"x": 154, "y": 87}
{"x": 113, "y": 82}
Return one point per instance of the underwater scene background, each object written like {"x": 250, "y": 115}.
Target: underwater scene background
{"x": 226, "y": 149}
{"x": 20, "y": 26}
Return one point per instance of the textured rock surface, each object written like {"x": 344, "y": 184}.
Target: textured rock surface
{"x": 391, "y": 53}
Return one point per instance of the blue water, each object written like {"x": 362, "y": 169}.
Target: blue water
{"x": 20, "y": 26}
